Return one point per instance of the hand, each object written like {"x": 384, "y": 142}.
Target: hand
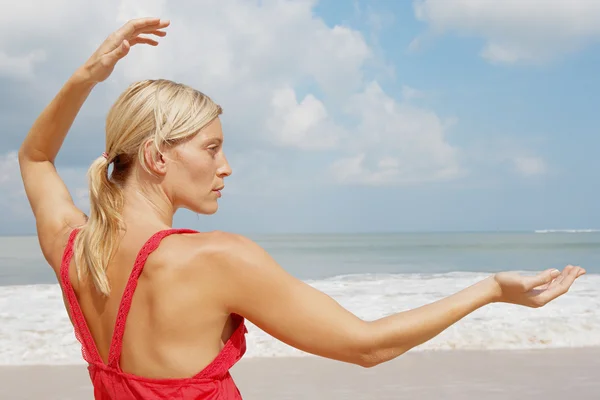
{"x": 535, "y": 291}
{"x": 101, "y": 64}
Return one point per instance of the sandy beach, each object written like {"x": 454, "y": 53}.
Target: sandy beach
{"x": 532, "y": 374}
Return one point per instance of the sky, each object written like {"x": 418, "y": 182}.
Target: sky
{"x": 356, "y": 116}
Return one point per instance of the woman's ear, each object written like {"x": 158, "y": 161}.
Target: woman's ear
{"x": 154, "y": 159}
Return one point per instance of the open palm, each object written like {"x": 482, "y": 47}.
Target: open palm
{"x": 116, "y": 46}
{"x": 536, "y": 291}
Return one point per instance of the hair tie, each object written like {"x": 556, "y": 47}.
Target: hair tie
{"x": 105, "y": 155}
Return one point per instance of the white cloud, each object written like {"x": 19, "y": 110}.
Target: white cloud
{"x": 395, "y": 143}
{"x": 516, "y": 31}
{"x": 238, "y": 43}
{"x": 63, "y": 26}
{"x": 520, "y": 155}
{"x": 529, "y": 166}
{"x": 20, "y": 67}
{"x": 352, "y": 170}
{"x": 304, "y": 125}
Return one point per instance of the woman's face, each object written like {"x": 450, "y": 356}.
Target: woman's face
{"x": 196, "y": 171}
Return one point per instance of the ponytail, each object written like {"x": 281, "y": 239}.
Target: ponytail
{"x": 98, "y": 239}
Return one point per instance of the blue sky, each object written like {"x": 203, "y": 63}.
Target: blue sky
{"x": 344, "y": 116}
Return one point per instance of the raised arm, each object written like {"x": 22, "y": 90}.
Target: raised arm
{"x": 50, "y": 201}
{"x": 303, "y": 317}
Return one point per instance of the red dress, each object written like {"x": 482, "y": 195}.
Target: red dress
{"x": 111, "y": 383}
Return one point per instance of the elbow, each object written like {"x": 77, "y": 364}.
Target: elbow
{"x": 374, "y": 357}
{"x": 374, "y": 351}
{"x": 370, "y": 357}
{"x": 24, "y": 155}
{"x": 368, "y": 360}
{"x": 27, "y": 154}
{"x": 367, "y": 352}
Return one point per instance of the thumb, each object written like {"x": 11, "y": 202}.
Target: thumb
{"x": 541, "y": 279}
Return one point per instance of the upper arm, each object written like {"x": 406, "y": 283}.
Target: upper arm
{"x": 287, "y": 308}
{"x": 53, "y": 208}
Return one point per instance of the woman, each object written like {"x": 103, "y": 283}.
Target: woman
{"x": 160, "y": 311}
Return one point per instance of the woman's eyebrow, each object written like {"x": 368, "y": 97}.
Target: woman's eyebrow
{"x": 217, "y": 141}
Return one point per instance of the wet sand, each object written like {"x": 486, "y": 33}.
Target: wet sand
{"x": 452, "y": 375}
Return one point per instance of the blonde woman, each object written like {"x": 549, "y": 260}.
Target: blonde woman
{"x": 160, "y": 311}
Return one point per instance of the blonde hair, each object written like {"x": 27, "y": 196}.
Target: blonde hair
{"x": 159, "y": 110}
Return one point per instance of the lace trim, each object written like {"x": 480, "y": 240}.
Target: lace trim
{"x": 82, "y": 332}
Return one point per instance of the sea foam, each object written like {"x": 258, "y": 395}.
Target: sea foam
{"x": 35, "y": 329}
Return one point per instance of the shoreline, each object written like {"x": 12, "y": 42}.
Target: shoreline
{"x": 425, "y": 375}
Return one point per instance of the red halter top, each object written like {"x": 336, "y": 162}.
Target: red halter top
{"x": 111, "y": 383}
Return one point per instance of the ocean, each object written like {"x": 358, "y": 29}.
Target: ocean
{"x": 371, "y": 275}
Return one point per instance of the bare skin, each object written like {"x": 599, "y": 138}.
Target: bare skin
{"x": 180, "y": 316}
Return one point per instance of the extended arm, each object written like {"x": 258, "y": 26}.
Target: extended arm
{"x": 305, "y": 318}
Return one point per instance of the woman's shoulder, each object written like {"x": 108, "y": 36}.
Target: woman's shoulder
{"x": 218, "y": 249}
{"x": 203, "y": 262}
{"x": 219, "y": 244}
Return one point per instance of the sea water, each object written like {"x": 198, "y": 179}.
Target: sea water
{"x": 372, "y": 275}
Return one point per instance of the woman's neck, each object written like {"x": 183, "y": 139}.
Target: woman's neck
{"x": 147, "y": 207}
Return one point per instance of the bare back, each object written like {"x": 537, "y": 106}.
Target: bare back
{"x": 175, "y": 326}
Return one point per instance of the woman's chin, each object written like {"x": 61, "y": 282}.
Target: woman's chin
{"x": 209, "y": 208}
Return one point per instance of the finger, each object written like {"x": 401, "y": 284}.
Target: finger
{"x": 116, "y": 38}
{"x": 565, "y": 272}
{"x": 561, "y": 288}
{"x": 144, "y": 40}
{"x": 560, "y": 281}
{"x": 545, "y": 286}
{"x": 569, "y": 267}
{"x": 135, "y": 26}
{"x": 141, "y": 27}
{"x": 158, "y": 33}
{"x": 540, "y": 279}
{"x": 568, "y": 280}
{"x": 153, "y": 29}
